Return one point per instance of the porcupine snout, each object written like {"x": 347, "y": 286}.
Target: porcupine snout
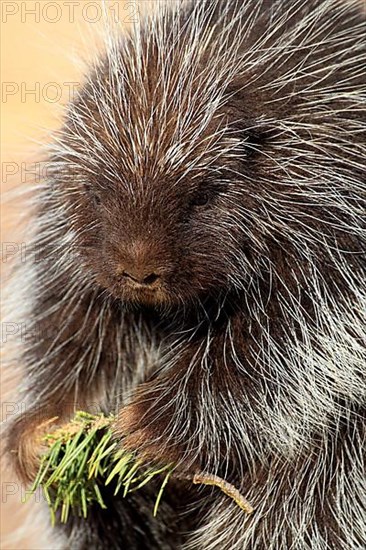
{"x": 139, "y": 265}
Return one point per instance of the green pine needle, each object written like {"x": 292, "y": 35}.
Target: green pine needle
{"x": 82, "y": 457}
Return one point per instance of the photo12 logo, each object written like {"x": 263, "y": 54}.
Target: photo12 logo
{"x": 37, "y": 92}
{"x": 120, "y": 11}
{"x": 11, "y": 490}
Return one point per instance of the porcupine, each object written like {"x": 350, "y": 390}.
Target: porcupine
{"x": 201, "y": 231}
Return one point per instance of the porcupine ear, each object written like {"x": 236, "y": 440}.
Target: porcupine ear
{"x": 254, "y": 139}
{"x": 253, "y": 135}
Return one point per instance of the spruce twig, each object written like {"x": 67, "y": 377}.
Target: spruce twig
{"x": 83, "y": 457}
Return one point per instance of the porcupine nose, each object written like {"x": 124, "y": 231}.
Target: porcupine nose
{"x": 139, "y": 265}
{"x": 140, "y": 277}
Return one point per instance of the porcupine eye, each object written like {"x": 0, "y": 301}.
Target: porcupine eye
{"x": 93, "y": 195}
{"x": 96, "y": 198}
{"x": 201, "y": 199}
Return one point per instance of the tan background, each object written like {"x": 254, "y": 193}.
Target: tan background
{"x": 37, "y": 54}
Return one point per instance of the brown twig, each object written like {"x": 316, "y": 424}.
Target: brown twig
{"x": 201, "y": 478}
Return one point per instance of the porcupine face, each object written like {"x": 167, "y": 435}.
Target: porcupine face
{"x": 159, "y": 212}
{"x": 162, "y": 236}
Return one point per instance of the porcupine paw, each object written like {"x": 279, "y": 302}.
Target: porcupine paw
{"x": 25, "y": 446}
{"x": 150, "y": 433}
